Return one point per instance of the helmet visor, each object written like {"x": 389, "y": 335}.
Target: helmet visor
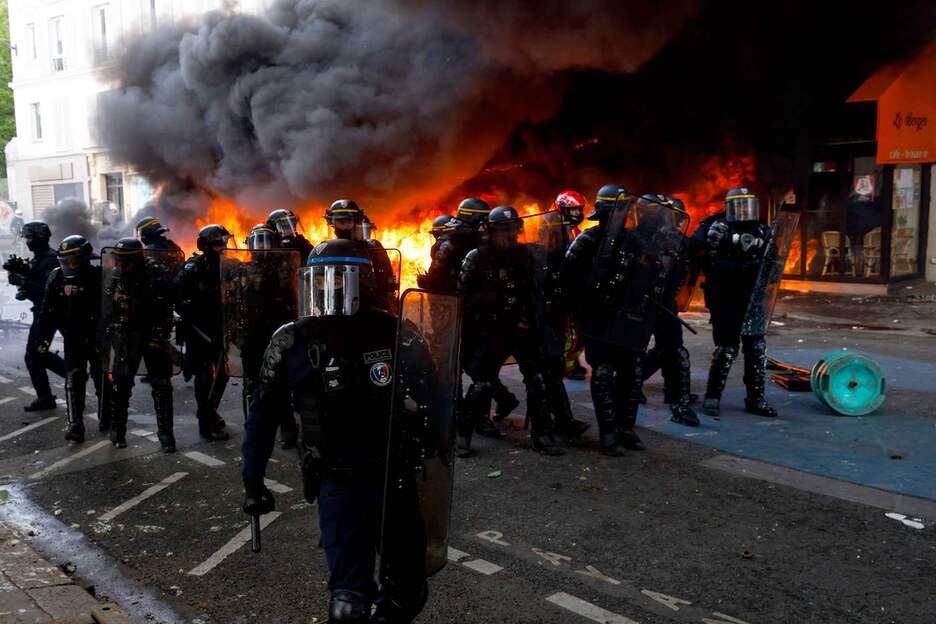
{"x": 71, "y": 264}
{"x": 262, "y": 240}
{"x": 742, "y": 208}
{"x": 330, "y": 289}
{"x": 287, "y": 225}
{"x": 504, "y": 236}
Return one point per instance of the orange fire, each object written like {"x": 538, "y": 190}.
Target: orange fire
{"x": 718, "y": 175}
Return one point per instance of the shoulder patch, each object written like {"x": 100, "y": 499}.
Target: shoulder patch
{"x": 381, "y": 355}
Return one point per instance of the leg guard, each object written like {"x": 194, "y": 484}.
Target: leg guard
{"x": 120, "y": 393}
{"x": 755, "y": 376}
{"x": 75, "y": 383}
{"x": 566, "y": 424}
{"x": 722, "y": 359}
{"x": 162, "y": 403}
{"x": 398, "y": 605}
{"x": 603, "y": 391}
{"x": 504, "y": 399}
{"x": 630, "y": 391}
{"x": 349, "y": 607}
{"x": 652, "y": 362}
{"x": 478, "y": 406}
{"x": 676, "y": 376}
{"x": 541, "y": 426}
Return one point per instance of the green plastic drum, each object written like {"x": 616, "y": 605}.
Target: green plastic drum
{"x": 850, "y": 383}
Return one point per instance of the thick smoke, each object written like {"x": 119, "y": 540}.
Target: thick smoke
{"x": 72, "y": 216}
{"x": 383, "y": 100}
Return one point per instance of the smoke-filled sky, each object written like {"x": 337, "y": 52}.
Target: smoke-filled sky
{"x": 382, "y": 100}
{"x": 402, "y": 102}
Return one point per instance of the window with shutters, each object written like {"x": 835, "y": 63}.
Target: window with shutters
{"x": 57, "y": 36}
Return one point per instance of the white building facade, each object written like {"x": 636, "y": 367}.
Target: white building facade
{"x": 61, "y": 54}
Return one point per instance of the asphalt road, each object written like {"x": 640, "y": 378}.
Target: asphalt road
{"x": 674, "y": 534}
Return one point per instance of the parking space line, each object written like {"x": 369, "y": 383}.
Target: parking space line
{"x": 456, "y": 555}
{"x": 208, "y": 460}
{"x": 231, "y": 547}
{"x": 143, "y": 433}
{"x": 587, "y": 610}
{"x": 35, "y": 425}
{"x": 139, "y": 498}
{"x": 5, "y": 380}
{"x": 64, "y": 462}
{"x": 28, "y": 390}
{"x": 484, "y": 567}
{"x": 279, "y": 488}
{"x": 6, "y": 400}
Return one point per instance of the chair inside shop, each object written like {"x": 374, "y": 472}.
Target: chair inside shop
{"x": 872, "y": 252}
{"x": 838, "y": 258}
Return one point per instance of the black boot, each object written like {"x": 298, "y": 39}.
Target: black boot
{"x": 602, "y": 391}
{"x": 348, "y": 607}
{"x": 478, "y": 405}
{"x": 120, "y": 400}
{"x": 541, "y": 425}
{"x": 567, "y": 426}
{"x": 630, "y": 393}
{"x": 74, "y": 406}
{"x": 755, "y": 377}
{"x": 504, "y": 401}
{"x": 722, "y": 359}
{"x": 41, "y": 404}
{"x": 676, "y": 380}
{"x": 162, "y": 403}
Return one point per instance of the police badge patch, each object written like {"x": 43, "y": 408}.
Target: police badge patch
{"x": 380, "y": 374}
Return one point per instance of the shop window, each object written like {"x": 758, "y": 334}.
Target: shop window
{"x": 905, "y": 237}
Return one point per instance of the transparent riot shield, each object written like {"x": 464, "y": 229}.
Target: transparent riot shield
{"x": 418, "y": 496}
{"x": 137, "y": 302}
{"x": 396, "y": 265}
{"x": 767, "y": 286}
{"x": 258, "y": 295}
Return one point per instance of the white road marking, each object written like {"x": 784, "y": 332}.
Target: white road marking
{"x": 916, "y": 523}
{"x": 6, "y": 400}
{"x": 279, "y": 488}
{"x": 456, "y": 555}
{"x": 671, "y": 602}
{"x": 231, "y": 547}
{"x": 147, "y": 493}
{"x": 35, "y": 425}
{"x": 208, "y": 460}
{"x": 92, "y": 416}
{"x": 482, "y": 566}
{"x": 587, "y": 610}
{"x": 722, "y": 619}
{"x": 64, "y": 462}
{"x": 141, "y": 433}
{"x": 28, "y": 390}
{"x": 495, "y": 537}
{"x": 594, "y": 572}
{"x": 5, "y": 380}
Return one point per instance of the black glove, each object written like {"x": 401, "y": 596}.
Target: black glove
{"x": 258, "y": 500}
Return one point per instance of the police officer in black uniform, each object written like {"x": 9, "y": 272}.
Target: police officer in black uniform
{"x": 626, "y": 265}
{"x": 729, "y": 248}
{"x": 502, "y": 285}
{"x": 333, "y": 366}
{"x": 346, "y": 219}
{"x": 668, "y": 353}
{"x": 72, "y": 304}
{"x": 152, "y": 234}
{"x": 31, "y": 285}
{"x": 201, "y": 328}
{"x": 287, "y": 225}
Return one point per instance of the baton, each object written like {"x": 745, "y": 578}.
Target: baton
{"x": 674, "y": 315}
{"x": 255, "y": 533}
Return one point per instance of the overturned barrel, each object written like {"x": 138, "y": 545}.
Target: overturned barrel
{"x": 850, "y": 383}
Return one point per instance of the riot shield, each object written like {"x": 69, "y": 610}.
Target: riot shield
{"x": 258, "y": 295}
{"x": 418, "y": 495}
{"x": 767, "y": 286}
{"x": 137, "y": 302}
{"x": 396, "y": 264}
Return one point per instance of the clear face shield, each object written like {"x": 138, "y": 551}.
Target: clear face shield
{"x": 344, "y": 227}
{"x": 220, "y": 242}
{"x": 262, "y": 240}
{"x": 71, "y": 265}
{"x": 288, "y": 226}
{"x": 331, "y": 288}
{"x": 504, "y": 236}
{"x": 742, "y": 208}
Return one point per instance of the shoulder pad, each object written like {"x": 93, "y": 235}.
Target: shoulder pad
{"x": 375, "y": 244}
{"x": 282, "y": 341}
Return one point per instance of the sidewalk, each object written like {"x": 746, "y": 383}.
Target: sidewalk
{"x": 32, "y": 590}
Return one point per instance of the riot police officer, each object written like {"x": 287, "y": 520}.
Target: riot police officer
{"x": 286, "y": 223}
{"x": 346, "y": 219}
{"x": 72, "y": 304}
{"x": 668, "y": 353}
{"x": 626, "y": 260}
{"x": 334, "y": 366}
{"x": 200, "y": 330}
{"x": 501, "y": 282}
{"x": 31, "y": 284}
{"x": 152, "y": 234}
{"x": 729, "y": 248}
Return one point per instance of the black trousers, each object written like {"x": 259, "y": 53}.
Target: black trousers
{"x": 38, "y": 363}
{"x": 81, "y": 357}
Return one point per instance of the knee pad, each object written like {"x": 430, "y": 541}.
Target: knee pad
{"x": 348, "y": 606}
{"x": 479, "y": 389}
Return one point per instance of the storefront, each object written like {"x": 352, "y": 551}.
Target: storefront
{"x": 867, "y": 202}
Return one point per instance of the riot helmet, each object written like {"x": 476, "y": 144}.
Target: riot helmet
{"x": 741, "y": 205}
{"x": 17, "y": 213}
{"x": 503, "y": 226}
{"x": 473, "y": 211}
{"x": 149, "y": 230}
{"x": 212, "y": 238}
{"x": 128, "y": 256}
{"x": 262, "y": 237}
{"x": 344, "y": 216}
{"x": 441, "y": 225}
{"x": 676, "y": 203}
{"x": 285, "y": 222}
{"x": 73, "y": 254}
{"x": 610, "y": 197}
{"x": 571, "y": 205}
{"x": 37, "y": 235}
{"x": 335, "y": 279}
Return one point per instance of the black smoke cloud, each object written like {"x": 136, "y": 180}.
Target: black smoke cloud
{"x": 380, "y": 100}
{"x": 72, "y": 216}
